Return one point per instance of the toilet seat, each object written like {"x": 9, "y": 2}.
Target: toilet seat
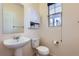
{"x": 42, "y": 50}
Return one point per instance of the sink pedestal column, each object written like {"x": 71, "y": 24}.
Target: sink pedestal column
{"x": 18, "y": 52}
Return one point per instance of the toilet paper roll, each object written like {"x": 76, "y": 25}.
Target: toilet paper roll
{"x": 56, "y": 42}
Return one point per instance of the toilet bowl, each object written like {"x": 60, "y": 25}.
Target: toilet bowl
{"x": 41, "y": 50}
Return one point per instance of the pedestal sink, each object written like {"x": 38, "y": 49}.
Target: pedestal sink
{"x": 16, "y": 44}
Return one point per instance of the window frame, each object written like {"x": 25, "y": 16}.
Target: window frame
{"x": 54, "y": 14}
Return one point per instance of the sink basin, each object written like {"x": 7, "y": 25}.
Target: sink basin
{"x": 16, "y": 43}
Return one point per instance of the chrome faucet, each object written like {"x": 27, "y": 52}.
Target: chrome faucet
{"x": 16, "y": 38}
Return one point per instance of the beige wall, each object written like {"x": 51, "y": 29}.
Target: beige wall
{"x": 69, "y": 33}
{"x": 30, "y": 32}
{"x": 48, "y": 34}
{"x": 70, "y": 29}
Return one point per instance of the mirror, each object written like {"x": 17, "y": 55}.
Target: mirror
{"x": 13, "y": 18}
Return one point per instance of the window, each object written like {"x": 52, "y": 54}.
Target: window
{"x": 54, "y": 14}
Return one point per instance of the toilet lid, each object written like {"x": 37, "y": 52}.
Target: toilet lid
{"x": 42, "y": 49}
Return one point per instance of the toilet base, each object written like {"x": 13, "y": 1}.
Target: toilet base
{"x": 41, "y": 55}
{"x": 37, "y": 54}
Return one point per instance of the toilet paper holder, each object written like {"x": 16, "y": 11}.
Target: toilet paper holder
{"x": 57, "y": 42}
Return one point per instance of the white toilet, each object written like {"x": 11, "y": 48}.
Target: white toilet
{"x": 41, "y": 50}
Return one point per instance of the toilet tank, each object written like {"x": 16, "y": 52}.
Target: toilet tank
{"x": 35, "y": 42}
